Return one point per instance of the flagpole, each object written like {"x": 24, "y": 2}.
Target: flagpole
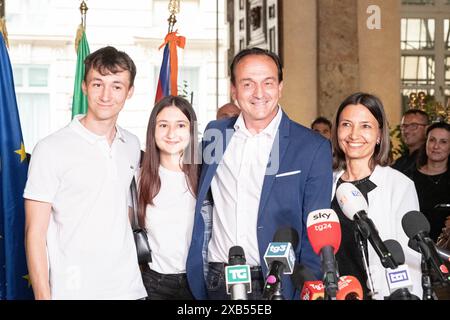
{"x": 83, "y": 9}
{"x": 2, "y": 9}
{"x": 79, "y": 100}
{"x": 174, "y": 9}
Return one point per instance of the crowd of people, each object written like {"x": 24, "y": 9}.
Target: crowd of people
{"x": 254, "y": 172}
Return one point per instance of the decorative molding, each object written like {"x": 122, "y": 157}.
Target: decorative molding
{"x": 255, "y": 23}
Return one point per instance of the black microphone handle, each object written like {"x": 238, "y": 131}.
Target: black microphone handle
{"x": 402, "y": 294}
{"x": 428, "y": 250}
{"x": 378, "y": 245}
{"x": 276, "y": 269}
{"x": 330, "y": 277}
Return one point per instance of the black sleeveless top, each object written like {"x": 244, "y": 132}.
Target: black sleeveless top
{"x": 349, "y": 257}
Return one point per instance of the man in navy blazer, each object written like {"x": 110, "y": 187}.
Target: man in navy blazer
{"x": 261, "y": 171}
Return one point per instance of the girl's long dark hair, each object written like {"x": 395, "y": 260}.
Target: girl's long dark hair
{"x": 150, "y": 182}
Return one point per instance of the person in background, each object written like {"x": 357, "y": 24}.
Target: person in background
{"x": 228, "y": 110}
{"x": 262, "y": 171}
{"x": 323, "y": 126}
{"x": 432, "y": 176}
{"x": 78, "y": 237}
{"x": 413, "y": 127}
{"x": 167, "y": 194}
{"x": 361, "y": 154}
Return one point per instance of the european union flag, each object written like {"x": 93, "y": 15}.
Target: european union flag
{"x": 14, "y": 282}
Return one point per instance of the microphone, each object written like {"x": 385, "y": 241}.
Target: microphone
{"x": 324, "y": 233}
{"x": 280, "y": 259}
{"x": 237, "y": 274}
{"x": 443, "y": 254}
{"x": 417, "y": 227}
{"x": 354, "y": 206}
{"x": 349, "y": 289}
{"x": 312, "y": 290}
{"x": 399, "y": 279}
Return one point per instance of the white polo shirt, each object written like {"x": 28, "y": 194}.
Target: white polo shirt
{"x": 90, "y": 244}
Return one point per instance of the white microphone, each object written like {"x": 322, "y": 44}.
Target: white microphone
{"x": 354, "y": 206}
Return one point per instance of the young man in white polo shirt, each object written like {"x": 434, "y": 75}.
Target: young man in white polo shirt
{"x": 78, "y": 238}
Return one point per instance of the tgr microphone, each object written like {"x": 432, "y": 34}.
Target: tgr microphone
{"x": 417, "y": 227}
{"x": 324, "y": 233}
{"x": 280, "y": 259}
{"x": 237, "y": 274}
{"x": 354, "y": 206}
{"x": 312, "y": 290}
{"x": 349, "y": 289}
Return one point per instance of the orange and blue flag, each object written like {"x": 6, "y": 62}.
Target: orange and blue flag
{"x": 168, "y": 75}
{"x": 14, "y": 280}
{"x": 163, "y": 88}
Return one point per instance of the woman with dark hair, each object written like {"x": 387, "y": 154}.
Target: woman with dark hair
{"x": 361, "y": 157}
{"x": 167, "y": 195}
{"x": 432, "y": 176}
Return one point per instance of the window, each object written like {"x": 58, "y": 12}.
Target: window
{"x": 188, "y": 84}
{"x": 425, "y": 47}
{"x": 20, "y": 13}
{"x": 33, "y": 102}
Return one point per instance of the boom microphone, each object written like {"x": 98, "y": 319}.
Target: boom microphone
{"x": 324, "y": 233}
{"x": 354, "y": 206}
{"x": 280, "y": 259}
{"x": 237, "y": 274}
{"x": 417, "y": 227}
{"x": 443, "y": 254}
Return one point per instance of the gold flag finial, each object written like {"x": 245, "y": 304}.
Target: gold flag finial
{"x": 83, "y": 9}
{"x": 82, "y": 27}
{"x": 174, "y": 9}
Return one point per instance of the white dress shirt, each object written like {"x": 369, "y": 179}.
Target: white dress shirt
{"x": 236, "y": 189}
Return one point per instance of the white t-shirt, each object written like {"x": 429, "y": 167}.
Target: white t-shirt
{"x": 90, "y": 246}
{"x": 169, "y": 223}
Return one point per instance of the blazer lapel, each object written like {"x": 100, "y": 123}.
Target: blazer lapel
{"x": 280, "y": 146}
{"x": 211, "y": 168}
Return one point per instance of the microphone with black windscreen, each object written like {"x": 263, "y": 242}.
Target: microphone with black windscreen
{"x": 417, "y": 227}
{"x": 280, "y": 259}
{"x": 237, "y": 274}
{"x": 398, "y": 279}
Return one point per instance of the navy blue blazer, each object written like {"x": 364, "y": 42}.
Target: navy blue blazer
{"x": 286, "y": 200}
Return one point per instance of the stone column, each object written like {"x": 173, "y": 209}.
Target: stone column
{"x": 338, "y": 53}
{"x": 379, "y": 53}
{"x": 300, "y": 60}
